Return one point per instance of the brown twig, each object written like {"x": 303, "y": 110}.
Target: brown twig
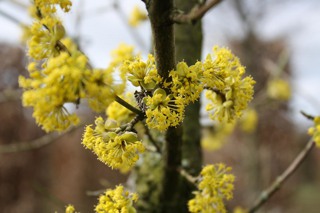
{"x": 308, "y": 116}
{"x": 191, "y": 179}
{"x": 128, "y": 106}
{"x": 151, "y": 139}
{"x": 11, "y": 18}
{"x": 275, "y": 186}
{"x": 195, "y": 14}
{"x": 35, "y": 144}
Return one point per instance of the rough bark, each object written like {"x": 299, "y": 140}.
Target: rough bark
{"x": 163, "y": 38}
{"x": 188, "y": 40}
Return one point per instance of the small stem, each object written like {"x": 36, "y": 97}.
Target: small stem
{"x": 35, "y": 144}
{"x": 193, "y": 180}
{"x": 128, "y": 106}
{"x": 308, "y": 116}
{"x": 152, "y": 140}
{"x": 275, "y": 186}
{"x": 11, "y": 18}
{"x": 196, "y": 13}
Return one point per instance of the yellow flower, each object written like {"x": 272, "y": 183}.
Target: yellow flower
{"x": 186, "y": 81}
{"x": 315, "y": 131}
{"x": 279, "y": 89}
{"x": 249, "y": 120}
{"x": 70, "y": 209}
{"x": 117, "y": 201}
{"x": 47, "y": 7}
{"x": 141, "y": 73}
{"x": 215, "y": 138}
{"x": 215, "y": 185}
{"x": 239, "y": 209}
{"x": 163, "y": 110}
{"x": 137, "y": 16}
{"x": 44, "y": 37}
{"x": 49, "y": 89}
{"x": 228, "y": 92}
{"x": 99, "y": 89}
{"x": 117, "y": 150}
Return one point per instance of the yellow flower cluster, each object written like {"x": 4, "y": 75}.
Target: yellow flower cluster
{"x": 70, "y": 209}
{"x": 248, "y": 121}
{"x": 137, "y": 16}
{"x": 47, "y": 7}
{"x": 214, "y": 139}
{"x": 117, "y": 201}
{"x": 45, "y": 35}
{"x": 186, "y": 81}
{"x": 229, "y": 92}
{"x": 163, "y": 110}
{"x": 279, "y": 89}
{"x": 143, "y": 74}
{"x": 315, "y": 131}
{"x": 215, "y": 185}
{"x": 62, "y": 74}
{"x": 117, "y": 150}
{"x": 239, "y": 209}
{"x": 47, "y": 91}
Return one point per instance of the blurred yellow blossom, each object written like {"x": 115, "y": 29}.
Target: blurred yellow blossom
{"x": 119, "y": 113}
{"x": 315, "y": 131}
{"x": 214, "y": 139}
{"x": 239, "y": 209}
{"x": 70, "y": 209}
{"x": 279, "y": 89}
{"x": 137, "y": 16}
{"x": 248, "y": 121}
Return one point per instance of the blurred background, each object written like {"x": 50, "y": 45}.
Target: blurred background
{"x": 278, "y": 42}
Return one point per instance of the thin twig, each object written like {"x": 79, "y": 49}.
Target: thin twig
{"x": 128, "y": 106}
{"x": 195, "y": 14}
{"x": 275, "y": 186}
{"x": 191, "y": 179}
{"x": 308, "y": 116}
{"x": 95, "y": 193}
{"x": 11, "y": 18}
{"x": 151, "y": 139}
{"x": 35, "y": 144}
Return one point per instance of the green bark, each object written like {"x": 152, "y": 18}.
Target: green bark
{"x": 188, "y": 40}
{"x": 163, "y": 38}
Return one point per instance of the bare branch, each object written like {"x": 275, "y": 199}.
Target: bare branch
{"x": 151, "y": 139}
{"x": 191, "y": 179}
{"x": 308, "y": 116}
{"x": 11, "y": 18}
{"x": 128, "y": 106}
{"x": 35, "y": 144}
{"x": 275, "y": 186}
{"x": 195, "y": 13}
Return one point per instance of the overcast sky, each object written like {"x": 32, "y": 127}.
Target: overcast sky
{"x": 102, "y": 29}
